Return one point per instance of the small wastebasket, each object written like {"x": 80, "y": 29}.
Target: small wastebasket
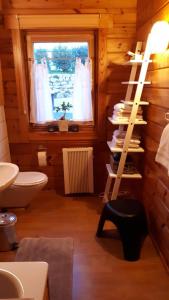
{"x": 7, "y": 231}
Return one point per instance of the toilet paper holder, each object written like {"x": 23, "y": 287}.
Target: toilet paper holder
{"x": 167, "y": 116}
{"x": 41, "y": 148}
{"x": 42, "y": 156}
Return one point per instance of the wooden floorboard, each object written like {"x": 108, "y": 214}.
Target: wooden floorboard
{"x": 99, "y": 271}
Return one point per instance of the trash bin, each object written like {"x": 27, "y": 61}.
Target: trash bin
{"x": 7, "y": 231}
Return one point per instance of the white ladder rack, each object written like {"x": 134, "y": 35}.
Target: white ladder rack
{"x": 137, "y": 59}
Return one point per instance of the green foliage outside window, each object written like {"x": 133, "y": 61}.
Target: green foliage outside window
{"x": 62, "y": 58}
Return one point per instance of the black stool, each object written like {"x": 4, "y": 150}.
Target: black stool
{"x": 129, "y": 217}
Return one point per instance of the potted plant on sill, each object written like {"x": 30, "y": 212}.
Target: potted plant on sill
{"x": 62, "y": 122}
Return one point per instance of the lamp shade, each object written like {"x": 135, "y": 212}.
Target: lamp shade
{"x": 159, "y": 37}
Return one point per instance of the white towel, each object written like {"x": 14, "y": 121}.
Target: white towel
{"x": 120, "y": 143}
{"x": 122, "y": 134}
{"x": 126, "y": 119}
{"x": 125, "y": 108}
{"x": 162, "y": 155}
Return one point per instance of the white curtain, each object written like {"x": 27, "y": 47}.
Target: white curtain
{"x": 40, "y": 97}
{"x": 82, "y": 98}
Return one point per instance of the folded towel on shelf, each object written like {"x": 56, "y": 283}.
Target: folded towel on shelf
{"x": 118, "y": 139}
{"x": 121, "y": 140}
{"x": 122, "y": 107}
{"x": 120, "y": 119}
{"x": 125, "y": 118}
{"x": 121, "y": 114}
{"x": 127, "y": 110}
{"x": 162, "y": 155}
{"x": 122, "y": 134}
{"x": 119, "y": 143}
{"x": 124, "y": 113}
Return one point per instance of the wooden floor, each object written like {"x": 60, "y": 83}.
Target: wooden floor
{"x": 100, "y": 273}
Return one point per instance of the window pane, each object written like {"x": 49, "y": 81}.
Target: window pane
{"x": 61, "y": 58}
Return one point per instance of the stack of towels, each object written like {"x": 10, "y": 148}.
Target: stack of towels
{"x": 122, "y": 113}
{"x": 119, "y": 137}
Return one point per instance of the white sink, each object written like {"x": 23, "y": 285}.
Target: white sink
{"x": 32, "y": 276}
{"x": 11, "y": 286}
{"x": 8, "y": 173}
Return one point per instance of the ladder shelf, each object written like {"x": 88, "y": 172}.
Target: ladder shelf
{"x": 133, "y": 119}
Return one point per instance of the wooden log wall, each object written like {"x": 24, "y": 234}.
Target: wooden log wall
{"x": 156, "y": 180}
{"x": 115, "y": 37}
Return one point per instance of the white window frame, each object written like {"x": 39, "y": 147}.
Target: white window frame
{"x": 75, "y": 36}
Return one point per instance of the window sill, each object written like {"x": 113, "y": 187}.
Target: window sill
{"x": 86, "y": 132}
{"x": 81, "y": 124}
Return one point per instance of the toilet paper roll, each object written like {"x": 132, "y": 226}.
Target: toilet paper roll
{"x": 42, "y": 158}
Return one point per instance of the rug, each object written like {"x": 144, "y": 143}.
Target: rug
{"x": 58, "y": 253}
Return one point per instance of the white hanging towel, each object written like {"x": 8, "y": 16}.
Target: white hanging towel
{"x": 162, "y": 155}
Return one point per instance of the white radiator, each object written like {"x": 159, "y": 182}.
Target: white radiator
{"x": 78, "y": 170}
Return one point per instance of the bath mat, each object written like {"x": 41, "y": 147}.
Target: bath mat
{"x": 58, "y": 253}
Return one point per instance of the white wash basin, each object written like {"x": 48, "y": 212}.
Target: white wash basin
{"x": 8, "y": 173}
{"x": 31, "y": 275}
{"x": 10, "y": 285}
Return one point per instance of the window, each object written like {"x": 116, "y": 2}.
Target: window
{"x": 61, "y": 80}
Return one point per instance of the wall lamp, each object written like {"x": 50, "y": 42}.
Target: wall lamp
{"x": 159, "y": 37}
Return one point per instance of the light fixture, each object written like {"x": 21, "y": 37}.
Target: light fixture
{"x": 159, "y": 37}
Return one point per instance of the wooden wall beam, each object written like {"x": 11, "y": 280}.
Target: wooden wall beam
{"x": 51, "y": 21}
{"x": 97, "y": 20}
{"x": 32, "y": 4}
{"x": 58, "y": 21}
{"x": 50, "y": 11}
{"x": 101, "y": 78}
{"x": 1, "y": 88}
{"x": 20, "y": 83}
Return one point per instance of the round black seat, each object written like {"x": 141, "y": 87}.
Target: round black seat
{"x": 129, "y": 217}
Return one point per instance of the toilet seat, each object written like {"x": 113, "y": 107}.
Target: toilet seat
{"x": 30, "y": 178}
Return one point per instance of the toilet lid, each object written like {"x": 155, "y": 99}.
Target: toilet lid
{"x": 30, "y": 178}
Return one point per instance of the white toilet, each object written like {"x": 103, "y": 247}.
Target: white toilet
{"x": 23, "y": 190}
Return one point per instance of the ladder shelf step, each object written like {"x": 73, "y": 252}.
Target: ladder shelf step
{"x": 138, "y": 61}
{"x": 130, "y": 176}
{"x": 135, "y": 82}
{"x": 118, "y": 149}
{"x": 131, "y": 102}
{"x": 137, "y": 122}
